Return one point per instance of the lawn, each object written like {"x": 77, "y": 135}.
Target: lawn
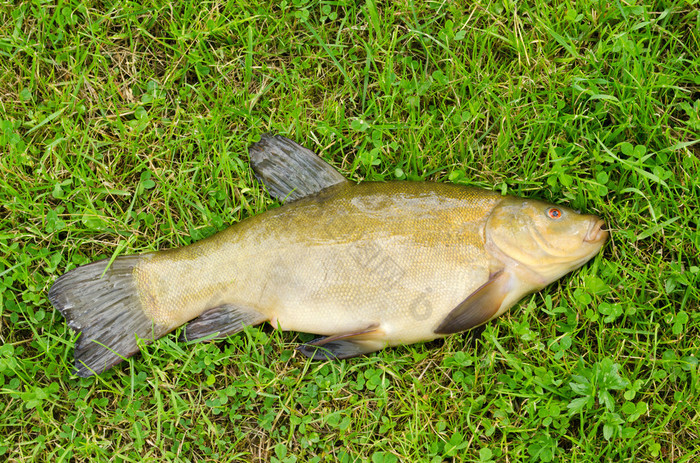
{"x": 124, "y": 129}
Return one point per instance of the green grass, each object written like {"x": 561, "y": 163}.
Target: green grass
{"x": 124, "y": 127}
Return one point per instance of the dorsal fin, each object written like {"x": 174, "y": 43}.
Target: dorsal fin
{"x": 290, "y": 171}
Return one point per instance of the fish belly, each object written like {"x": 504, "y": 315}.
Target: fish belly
{"x": 332, "y": 291}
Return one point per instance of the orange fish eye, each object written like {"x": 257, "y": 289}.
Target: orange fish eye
{"x": 554, "y": 213}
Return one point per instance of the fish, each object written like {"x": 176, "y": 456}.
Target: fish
{"x": 364, "y": 266}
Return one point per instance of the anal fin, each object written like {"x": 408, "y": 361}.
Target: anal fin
{"x": 481, "y": 306}
{"x": 345, "y": 345}
{"x": 220, "y": 322}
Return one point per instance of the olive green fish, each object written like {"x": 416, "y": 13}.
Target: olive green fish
{"x": 366, "y": 266}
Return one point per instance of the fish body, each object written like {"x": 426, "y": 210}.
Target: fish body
{"x": 367, "y": 266}
{"x": 400, "y": 255}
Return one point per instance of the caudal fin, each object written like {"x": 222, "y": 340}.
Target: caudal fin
{"x": 104, "y": 306}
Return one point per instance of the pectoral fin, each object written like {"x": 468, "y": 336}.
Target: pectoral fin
{"x": 221, "y": 322}
{"x": 481, "y": 306}
{"x": 345, "y": 345}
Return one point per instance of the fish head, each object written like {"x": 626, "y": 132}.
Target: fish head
{"x": 546, "y": 239}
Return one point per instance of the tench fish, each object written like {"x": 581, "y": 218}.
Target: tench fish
{"x": 366, "y": 265}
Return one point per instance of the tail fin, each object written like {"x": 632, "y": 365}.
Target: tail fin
{"x": 104, "y": 306}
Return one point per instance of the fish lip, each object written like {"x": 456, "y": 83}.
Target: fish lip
{"x": 596, "y": 232}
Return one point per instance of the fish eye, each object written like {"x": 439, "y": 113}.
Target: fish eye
{"x": 554, "y": 213}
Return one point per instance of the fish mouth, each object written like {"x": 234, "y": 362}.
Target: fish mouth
{"x": 596, "y": 232}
